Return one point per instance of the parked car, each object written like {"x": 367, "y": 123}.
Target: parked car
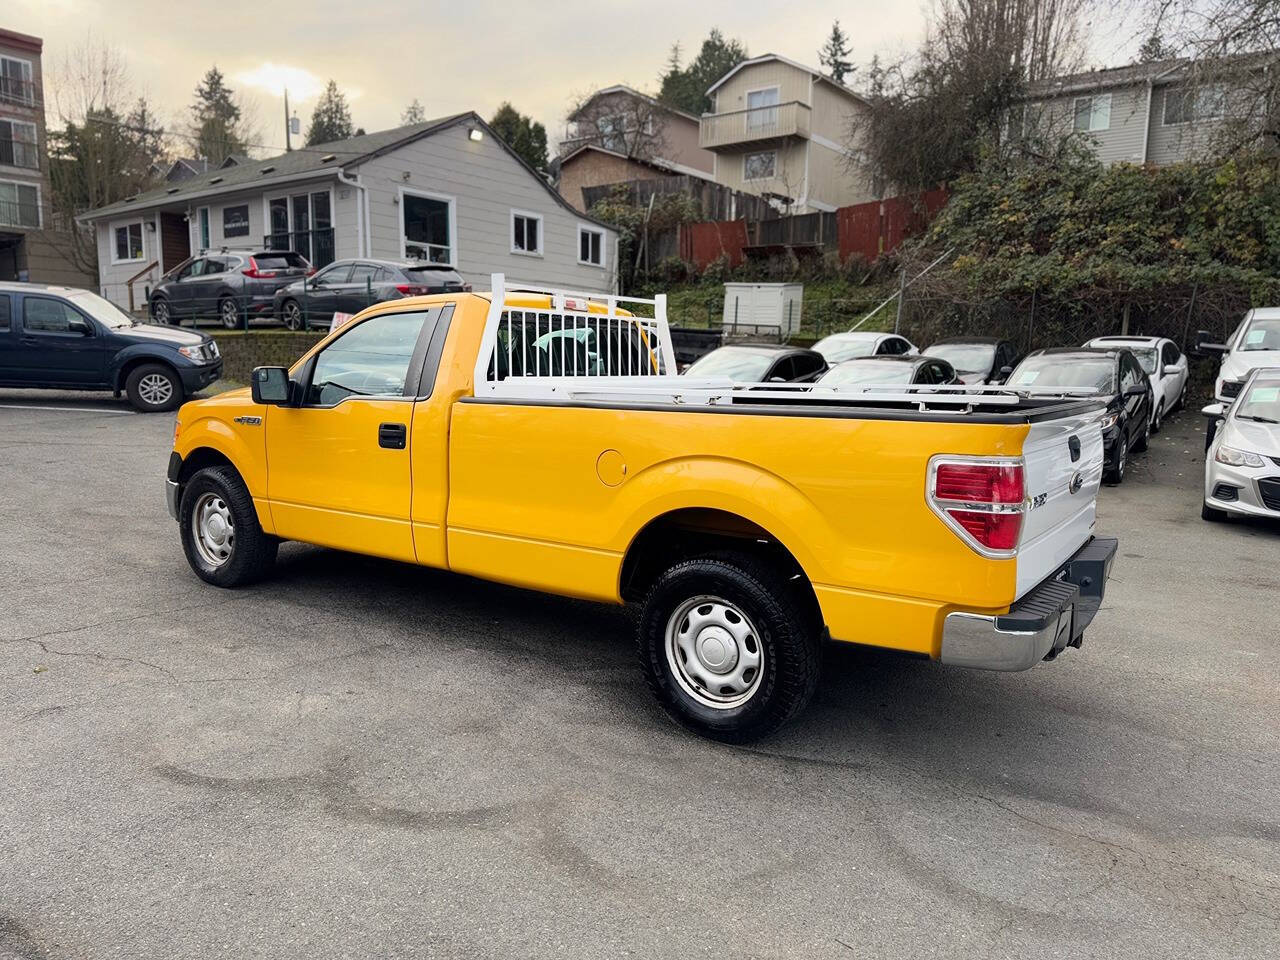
{"x": 760, "y": 363}
{"x": 70, "y": 339}
{"x": 659, "y": 491}
{"x": 230, "y": 285}
{"x": 1242, "y": 465}
{"x": 1165, "y": 366}
{"x": 1116, "y": 376}
{"x": 348, "y": 286}
{"x": 1254, "y": 343}
{"x": 862, "y": 343}
{"x": 906, "y": 370}
{"x": 977, "y": 360}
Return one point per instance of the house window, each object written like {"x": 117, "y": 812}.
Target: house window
{"x": 427, "y": 228}
{"x": 235, "y": 221}
{"x": 203, "y": 221}
{"x": 526, "y": 233}
{"x": 1184, "y": 105}
{"x": 18, "y": 144}
{"x": 15, "y": 81}
{"x": 1093, "y": 113}
{"x": 590, "y": 246}
{"x": 302, "y": 223}
{"x": 760, "y": 166}
{"x": 762, "y": 108}
{"x": 128, "y": 243}
{"x": 19, "y": 204}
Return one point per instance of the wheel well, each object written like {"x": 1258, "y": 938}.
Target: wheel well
{"x": 691, "y": 532}
{"x": 132, "y": 364}
{"x": 199, "y": 459}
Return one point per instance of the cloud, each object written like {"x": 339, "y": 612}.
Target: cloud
{"x": 273, "y": 78}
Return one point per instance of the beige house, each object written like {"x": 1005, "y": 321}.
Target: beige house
{"x": 32, "y": 247}
{"x": 781, "y": 129}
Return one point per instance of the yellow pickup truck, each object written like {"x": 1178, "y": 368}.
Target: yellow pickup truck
{"x": 543, "y": 439}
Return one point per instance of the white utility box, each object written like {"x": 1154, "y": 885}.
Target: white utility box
{"x": 758, "y": 309}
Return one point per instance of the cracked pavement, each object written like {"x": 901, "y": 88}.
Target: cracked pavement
{"x": 358, "y": 758}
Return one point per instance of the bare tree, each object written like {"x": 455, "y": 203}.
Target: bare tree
{"x": 622, "y": 121}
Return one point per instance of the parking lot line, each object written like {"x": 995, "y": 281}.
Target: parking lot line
{"x": 33, "y": 406}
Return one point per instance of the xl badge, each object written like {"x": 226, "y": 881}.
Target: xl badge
{"x": 1077, "y": 481}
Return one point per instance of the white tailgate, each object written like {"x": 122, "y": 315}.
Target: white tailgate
{"x": 1059, "y": 521}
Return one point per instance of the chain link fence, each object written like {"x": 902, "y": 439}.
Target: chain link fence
{"x": 298, "y": 306}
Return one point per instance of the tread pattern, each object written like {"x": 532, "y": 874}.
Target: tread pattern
{"x": 255, "y": 552}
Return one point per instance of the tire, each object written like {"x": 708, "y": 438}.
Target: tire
{"x": 1182, "y": 396}
{"x": 160, "y": 312}
{"x": 154, "y": 388}
{"x": 1140, "y": 445}
{"x": 1115, "y": 474}
{"x": 1158, "y": 420}
{"x": 227, "y": 549}
{"x": 229, "y": 313}
{"x": 748, "y": 614}
{"x": 1212, "y": 514}
{"x": 291, "y": 311}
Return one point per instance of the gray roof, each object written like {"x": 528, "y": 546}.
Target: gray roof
{"x": 298, "y": 164}
{"x": 1126, "y": 76}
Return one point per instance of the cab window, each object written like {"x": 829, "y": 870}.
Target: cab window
{"x": 338, "y": 273}
{"x": 42, "y": 315}
{"x": 1169, "y": 354}
{"x": 807, "y": 367}
{"x": 369, "y": 360}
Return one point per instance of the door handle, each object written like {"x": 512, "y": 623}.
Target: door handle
{"x": 393, "y": 436}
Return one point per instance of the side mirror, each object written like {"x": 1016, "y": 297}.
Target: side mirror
{"x": 1205, "y": 345}
{"x": 1136, "y": 390}
{"x": 777, "y": 380}
{"x": 1214, "y": 411}
{"x": 81, "y": 327}
{"x": 1005, "y": 371}
{"x": 270, "y": 385}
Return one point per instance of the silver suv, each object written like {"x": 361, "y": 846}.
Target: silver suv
{"x": 229, "y": 285}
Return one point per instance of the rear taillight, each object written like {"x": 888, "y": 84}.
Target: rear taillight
{"x": 253, "y": 271}
{"x": 412, "y": 289}
{"x": 982, "y": 500}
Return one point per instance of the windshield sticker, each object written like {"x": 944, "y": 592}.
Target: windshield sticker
{"x": 1264, "y": 395}
{"x": 1027, "y": 377}
{"x": 1256, "y": 336}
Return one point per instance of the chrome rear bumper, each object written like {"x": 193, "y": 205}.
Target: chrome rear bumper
{"x": 1047, "y": 620}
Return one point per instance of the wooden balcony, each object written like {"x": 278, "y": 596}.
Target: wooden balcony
{"x": 725, "y": 131}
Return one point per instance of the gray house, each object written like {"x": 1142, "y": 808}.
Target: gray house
{"x": 448, "y": 191}
{"x": 1146, "y": 113}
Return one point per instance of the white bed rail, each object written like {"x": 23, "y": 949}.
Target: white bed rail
{"x": 539, "y": 350}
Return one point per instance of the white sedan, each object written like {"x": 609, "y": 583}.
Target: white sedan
{"x": 1254, "y": 343}
{"x": 1242, "y": 465}
{"x": 863, "y": 343}
{"x": 1165, "y": 366}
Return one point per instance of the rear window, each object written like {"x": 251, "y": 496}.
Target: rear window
{"x": 1075, "y": 373}
{"x": 280, "y": 261}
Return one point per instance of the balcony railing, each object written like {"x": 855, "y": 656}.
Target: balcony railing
{"x": 19, "y": 153}
{"x": 13, "y": 90}
{"x": 20, "y": 214}
{"x": 789, "y": 119}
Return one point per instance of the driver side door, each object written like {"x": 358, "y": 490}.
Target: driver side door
{"x": 338, "y": 463}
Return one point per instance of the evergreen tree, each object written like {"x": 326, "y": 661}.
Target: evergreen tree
{"x": 218, "y": 133}
{"x": 1154, "y": 48}
{"x": 413, "y": 113}
{"x": 686, "y": 89}
{"x": 875, "y": 77}
{"x": 527, "y": 138}
{"x": 834, "y": 54}
{"x": 331, "y": 119}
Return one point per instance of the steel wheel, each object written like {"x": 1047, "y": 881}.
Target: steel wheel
{"x": 155, "y": 389}
{"x": 714, "y": 652}
{"x": 229, "y": 313}
{"x": 292, "y": 315}
{"x": 215, "y": 533}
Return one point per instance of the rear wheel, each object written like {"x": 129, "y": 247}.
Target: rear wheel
{"x": 1212, "y": 514}
{"x": 221, "y": 536}
{"x": 153, "y": 388}
{"x": 1158, "y": 420}
{"x": 229, "y": 313}
{"x": 160, "y": 311}
{"x": 293, "y": 318}
{"x": 727, "y": 647}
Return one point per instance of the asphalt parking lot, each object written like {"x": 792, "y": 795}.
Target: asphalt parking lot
{"x": 359, "y": 759}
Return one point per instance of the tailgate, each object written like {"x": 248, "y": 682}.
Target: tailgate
{"x": 1063, "y": 473}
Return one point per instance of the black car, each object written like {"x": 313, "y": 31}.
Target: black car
{"x": 1116, "y": 376}
{"x": 348, "y": 286}
{"x": 231, "y": 285}
{"x": 760, "y": 363}
{"x": 906, "y": 370}
{"x": 69, "y": 339}
{"x": 977, "y": 360}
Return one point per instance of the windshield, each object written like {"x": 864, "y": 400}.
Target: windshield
{"x": 1074, "y": 373}
{"x": 868, "y": 371}
{"x": 747, "y": 366}
{"x": 842, "y": 346}
{"x": 1262, "y": 402}
{"x": 1262, "y": 335}
{"x": 104, "y": 311}
{"x": 965, "y": 357}
{"x": 1146, "y": 358}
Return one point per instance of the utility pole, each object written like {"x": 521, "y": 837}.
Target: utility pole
{"x": 288, "y": 144}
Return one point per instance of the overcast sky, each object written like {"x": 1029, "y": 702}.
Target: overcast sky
{"x": 457, "y": 56}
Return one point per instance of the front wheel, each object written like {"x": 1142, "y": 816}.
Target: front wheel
{"x": 221, "y": 536}
{"x": 1115, "y": 475}
{"x": 293, "y": 318}
{"x": 727, "y": 647}
{"x": 1212, "y": 514}
{"x": 153, "y": 388}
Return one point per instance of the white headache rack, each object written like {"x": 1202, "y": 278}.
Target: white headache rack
{"x": 577, "y": 338}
